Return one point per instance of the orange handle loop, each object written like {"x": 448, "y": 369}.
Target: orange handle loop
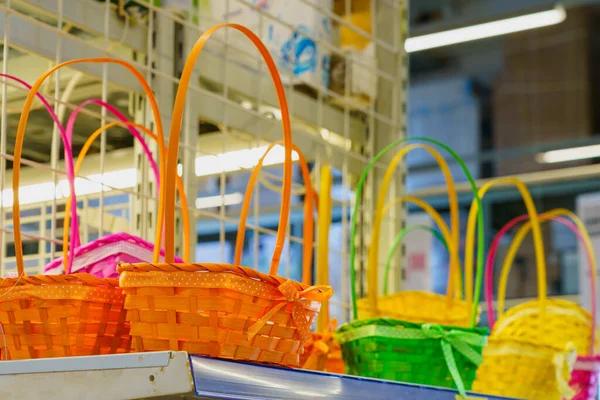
{"x": 180, "y": 189}
{"x": 309, "y": 218}
{"x": 21, "y": 136}
{"x": 167, "y": 202}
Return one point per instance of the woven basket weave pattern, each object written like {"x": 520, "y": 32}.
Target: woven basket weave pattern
{"x": 404, "y": 360}
{"x": 419, "y": 307}
{"x": 525, "y": 376}
{"x": 533, "y": 341}
{"x": 68, "y": 317}
{"x": 208, "y": 319}
{"x": 565, "y": 322}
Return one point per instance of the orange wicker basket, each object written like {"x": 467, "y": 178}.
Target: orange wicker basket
{"x": 321, "y": 351}
{"x": 59, "y": 315}
{"x": 308, "y": 234}
{"x": 220, "y": 310}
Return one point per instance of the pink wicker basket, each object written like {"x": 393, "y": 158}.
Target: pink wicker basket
{"x": 101, "y": 257}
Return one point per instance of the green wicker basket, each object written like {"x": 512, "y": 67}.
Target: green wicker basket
{"x": 408, "y": 352}
{"x": 421, "y": 353}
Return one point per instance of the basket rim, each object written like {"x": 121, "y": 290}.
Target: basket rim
{"x": 239, "y": 270}
{"x": 406, "y": 324}
{"x": 83, "y": 279}
{"x": 552, "y": 301}
{"x": 454, "y": 303}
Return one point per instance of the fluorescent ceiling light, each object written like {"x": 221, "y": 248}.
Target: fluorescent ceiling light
{"x": 485, "y": 30}
{"x": 216, "y": 201}
{"x": 40, "y": 192}
{"x": 127, "y": 178}
{"x": 572, "y": 154}
{"x": 239, "y": 159}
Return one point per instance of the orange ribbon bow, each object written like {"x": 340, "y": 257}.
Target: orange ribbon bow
{"x": 303, "y": 303}
{"x": 321, "y": 346}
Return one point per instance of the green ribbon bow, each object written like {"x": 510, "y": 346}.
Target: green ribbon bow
{"x": 450, "y": 340}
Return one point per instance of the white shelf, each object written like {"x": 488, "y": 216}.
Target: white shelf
{"x": 147, "y": 375}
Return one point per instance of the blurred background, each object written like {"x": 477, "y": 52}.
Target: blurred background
{"x": 523, "y": 104}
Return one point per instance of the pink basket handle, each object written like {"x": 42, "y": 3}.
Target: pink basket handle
{"x": 113, "y": 110}
{"x": 493, "y": 249}
{"x": 68, "y": 157}
{"x": 134, "y": 132}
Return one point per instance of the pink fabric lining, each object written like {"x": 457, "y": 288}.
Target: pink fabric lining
{"x": 100, "y": 257}
{"x": 490, "y": 267}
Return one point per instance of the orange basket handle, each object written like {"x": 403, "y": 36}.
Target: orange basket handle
{"x": 309, "y": 218}
{"x": 21, "y": 136}
{"x": 180, "y": 188}
{"x": 167, "y": 199}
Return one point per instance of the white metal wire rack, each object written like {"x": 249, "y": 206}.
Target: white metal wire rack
{"x": 231, "y": 107}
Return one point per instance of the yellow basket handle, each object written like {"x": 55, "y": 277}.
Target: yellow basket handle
{"x": 453, "y": 278}
{"x": 309, "y": 218}
{"x": 537, "y": 235}
{"x": 180, "y": 188}
{"x": 516, "y": 244}
{"x": 20, "y": 136}
{"x": 167, "y": 198}
{"x": 381, "y": 210}
{"x": 323, "y": 224}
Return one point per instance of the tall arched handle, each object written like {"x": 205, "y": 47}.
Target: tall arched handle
{"x": 358, "y": 196}
{"x": 373, "y": 252}
{"x": 537, "y": 233}
{"x": 67, "y": 258}
{"x": 167, "y": 202}
{"x": 153, "y": 136}
{"x": 18, "y": 149}
{"x": 68, "y": 162}
{"x": 309, "y": 218}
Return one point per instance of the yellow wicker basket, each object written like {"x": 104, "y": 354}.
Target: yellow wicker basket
{"x": 533, "y": 346}
{"x": 417, "y": 306}
{"x": 219, "y": 310}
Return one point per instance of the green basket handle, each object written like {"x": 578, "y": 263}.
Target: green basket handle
{"x": 358, "y": 195}
{"x": 398, "y": 239}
